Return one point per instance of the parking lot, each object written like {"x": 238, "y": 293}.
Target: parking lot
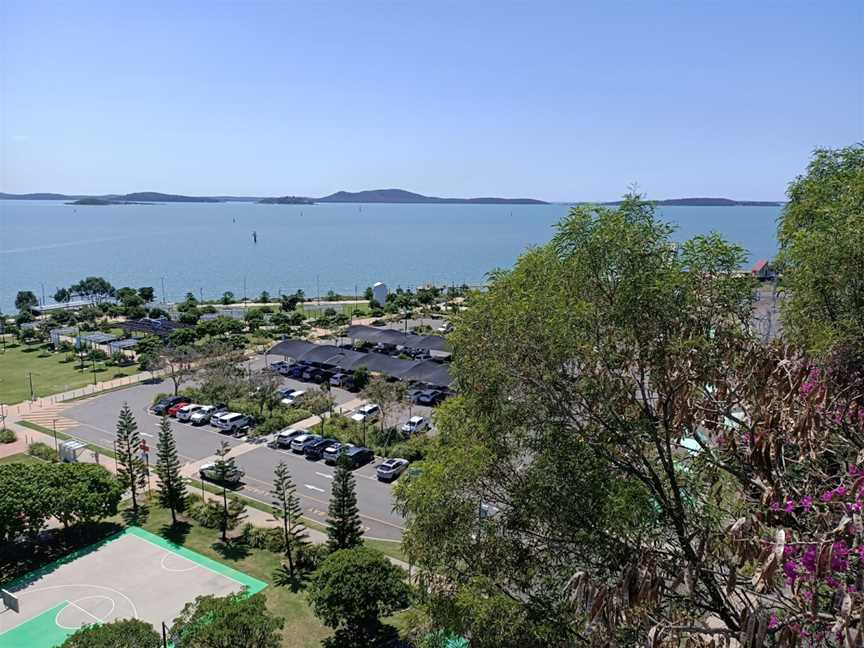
{"x": 97, "y": 419}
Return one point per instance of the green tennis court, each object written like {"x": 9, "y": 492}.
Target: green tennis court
{"x": 134, "y": 574}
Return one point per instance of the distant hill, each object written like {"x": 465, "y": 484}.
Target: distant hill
{"x": 287, "y": 200}
{"x": 708, "y": 202}
{"x": 402, "y": 196}
{"x": 37, "y": 196}
{"x": 152, "y": 196}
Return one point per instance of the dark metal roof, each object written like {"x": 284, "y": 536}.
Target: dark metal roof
{"x": 128, "y": 343}
{"x": 160, "y": 327}
{"x": 390, "y": 336}
{"x": 98, "y": 338}
{"x": 425, "y": 371}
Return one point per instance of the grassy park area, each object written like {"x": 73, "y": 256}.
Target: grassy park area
{"x": 51, "y": 372}
{"x": 21, "y": 457}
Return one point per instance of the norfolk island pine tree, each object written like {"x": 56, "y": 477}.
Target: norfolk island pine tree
{"x": 131, "y": 471}
{"x": 286, "y": 506}
{"x": 172, "y": 488}
{"x": 345, "y": 530}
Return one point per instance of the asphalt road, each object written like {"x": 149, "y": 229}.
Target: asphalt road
{"x": 313, "y": 480}
{"x": 97, "y": 419}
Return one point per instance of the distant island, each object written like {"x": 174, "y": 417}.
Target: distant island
{"x": 393, "y": 196}
{"x": 104, "y": 201}
{"x": 709, "y": 202}
{"x": 402, "y": 196}
{"x": 286, "y": 200}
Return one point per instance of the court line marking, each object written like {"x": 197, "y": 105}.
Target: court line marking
{"x": 101, "y": 587}
{"x": 213, "y": 571}
{"x": 88, "y": 613}
{"x": 177, "y": 571}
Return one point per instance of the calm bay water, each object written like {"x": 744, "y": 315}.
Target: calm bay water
{"x": 209, "y": 248}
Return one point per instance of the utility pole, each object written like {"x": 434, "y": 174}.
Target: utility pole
{"x": 30, "y": 376}
{"x": 201, "y": 294}
{"x": 244, "y": 294}
{"x": 43, "y": 293}
{"x": 163, "y": 291}
{"x": 56, "y": 444}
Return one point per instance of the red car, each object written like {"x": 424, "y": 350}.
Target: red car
{"x": 172, "y": 411}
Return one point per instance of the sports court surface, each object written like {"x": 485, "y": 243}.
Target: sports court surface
{"x": 134, "y": 574}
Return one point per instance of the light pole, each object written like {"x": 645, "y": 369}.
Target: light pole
{"x": 56, "y": 444}
{"x": 30, "y": 376}
{"x": 163, "y": 290}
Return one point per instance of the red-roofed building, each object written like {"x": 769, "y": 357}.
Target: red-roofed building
{"x": 764, "y": 271}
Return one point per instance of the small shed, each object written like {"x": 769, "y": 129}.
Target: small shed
{"x": 764, "y": 271}
{"x": 70, "y": 450}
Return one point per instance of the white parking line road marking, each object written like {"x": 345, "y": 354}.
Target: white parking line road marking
{"x": 147, "y": 434}
{"x": 325, "y": 475}
{"x": 315, "y": 488}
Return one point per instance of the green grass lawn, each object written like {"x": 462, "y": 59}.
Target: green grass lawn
{"x": 21, "y": 457}
{"x": 52, "y": 373}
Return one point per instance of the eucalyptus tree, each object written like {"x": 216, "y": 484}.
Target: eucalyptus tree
{"x": 563, "y": 494}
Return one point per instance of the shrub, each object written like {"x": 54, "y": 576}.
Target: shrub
{"x": 310, "y": 556}
{"x": 260, "y": 538}
{"x": 414, "y": 449}
{"x": 158, "y": 397}
{"x": 205, "y": 513}
{"x": 42, "y": 451}
{"x": 7, "y": 436}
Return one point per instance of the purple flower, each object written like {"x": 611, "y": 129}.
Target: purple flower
{"x": 827, "y": 495}
{"x": 790, "y": 569}
{"x": 807, "y": 503}
{"x": 840, "y": 490}
{"x": 853, "y": 470}
{"x": 809, "y": 559}
{"x": 790, "y": 506}
{"x": 773, "y": 622}
{"x": 775, "y": 506}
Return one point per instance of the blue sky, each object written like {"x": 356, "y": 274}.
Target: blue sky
{"x": 555, "y": 100}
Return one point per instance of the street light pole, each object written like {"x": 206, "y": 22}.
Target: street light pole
{"x": 30, "y": 376}
{"x": 56, "y": 444}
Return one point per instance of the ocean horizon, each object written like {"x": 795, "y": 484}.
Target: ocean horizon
{"x": 208, "y": 248}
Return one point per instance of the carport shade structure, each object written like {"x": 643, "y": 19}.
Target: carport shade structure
{"x": 389, "y": 336}
{"x": 425, "y": 371}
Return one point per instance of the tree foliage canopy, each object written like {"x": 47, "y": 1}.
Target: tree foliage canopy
{"x": 117, "y": 634}
{"x": 233, "y": 621}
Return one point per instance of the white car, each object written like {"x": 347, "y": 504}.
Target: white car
{"x": 184, "y": 414}
{"x": 366, "y": 413}
{"x": 291, "y": 398}
{"x": 285, "y": 437}
{"x": 391, "y": 469}
{"x": 299, "y": 441}
{"x": 446, "y": 327}
{"x": 203, "y": 415}
{"x": 415, "y": 425}
{"x": 231, "y": 422}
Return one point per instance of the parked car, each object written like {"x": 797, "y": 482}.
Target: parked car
{"x": 176, "y": 407}
{"x": 309, "y": 442}
{"x": 315, "y": 450}
{"x": 359, "y": 456}
{"x": 292, "y": 398}
{"x": 430, "y": 397}
{"x": 445, "y": 328}
{"x": 203, "y": 415}
{"x": 231, "y": 422}
{"x": 209, "y": 472}
{"x": 313, "y": 374}
{"x": 296, "y": 370}
{"x": 184, "y": 414}
{"x": 366, "y": 414}
{"x": 162, "y": 406}
{"x": 281, "y": 367}
{"x": 297, "y": 445}
{"x": 415, "y": 425}
{"x": 331, "y": 454}
{"x": 342, "y": 380}
{"x": 285, "y": 437}
{"x": 391, "y": 469}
